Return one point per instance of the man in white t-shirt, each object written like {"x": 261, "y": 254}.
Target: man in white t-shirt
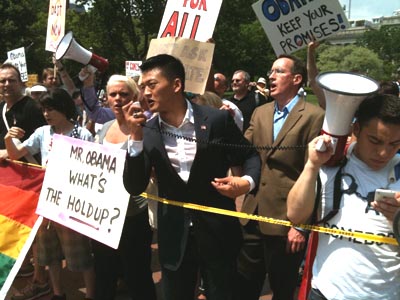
{"x": 353, "y": 268}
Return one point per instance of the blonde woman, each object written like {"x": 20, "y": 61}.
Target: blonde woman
{"x": 133, "y": 255}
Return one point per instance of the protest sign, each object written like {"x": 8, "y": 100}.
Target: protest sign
{"x": 191, "y": 19}
{"x": 32, "y": 79}
{"x": 83, "y": 189}
{"x": 132, "y": 68}
{"x": 55, "y": 24}
{"x": 17, "y": 58}
{"x": 195, "y": 56}
{"x": 291, "y": 25}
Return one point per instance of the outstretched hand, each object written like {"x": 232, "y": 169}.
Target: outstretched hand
{"x": 231, "y": 186}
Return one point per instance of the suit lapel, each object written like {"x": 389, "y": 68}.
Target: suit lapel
{"x": 269, "y": 128}
{"x": 201, "y": 127}
{"x": 293, "y": 117}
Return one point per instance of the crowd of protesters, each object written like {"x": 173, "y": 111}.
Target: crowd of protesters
{"x": 203, "y": 255}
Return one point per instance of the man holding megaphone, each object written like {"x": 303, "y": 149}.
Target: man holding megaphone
{"x": 353, "y": 268}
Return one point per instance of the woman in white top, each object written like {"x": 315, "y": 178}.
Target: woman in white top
{"x": 55, "y": 241}
{"x": 133, "y": 256}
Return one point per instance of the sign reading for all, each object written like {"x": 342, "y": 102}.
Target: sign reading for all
{"x": 191, "y": 19}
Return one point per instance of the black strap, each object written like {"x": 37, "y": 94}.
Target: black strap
{"x": 337, "y": 193}
{"x": 314, "y": 216}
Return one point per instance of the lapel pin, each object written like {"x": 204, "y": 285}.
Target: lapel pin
{"x": 203, "y": 127}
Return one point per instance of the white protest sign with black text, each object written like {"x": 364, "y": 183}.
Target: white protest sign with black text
{"x": 83, "y": 189}
{"x": 17, "y": 58}
{"x": 195, "y": 56}
{"x": 191, "y": 19}
{"x": 291, "y": 24}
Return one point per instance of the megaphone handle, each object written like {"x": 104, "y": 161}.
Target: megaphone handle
{"x": 320, "y": 146}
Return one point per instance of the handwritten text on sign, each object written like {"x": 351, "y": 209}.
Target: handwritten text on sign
{"x": 191, "y": 19}
{"x": 17, "y": 58}
{"x": 83, "y": 189}
{"x": 55, "y": 24}
{"x": 291, "y": 24}
{"x": 195, "y": 56}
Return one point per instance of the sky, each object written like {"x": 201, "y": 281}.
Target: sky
{"x": 368, "y": 9}
{"x": 365, "y": 9}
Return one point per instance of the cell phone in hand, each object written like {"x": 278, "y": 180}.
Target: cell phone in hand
{"x": 381, "y": 193}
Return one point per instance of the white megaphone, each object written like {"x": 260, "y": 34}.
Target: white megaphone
{"x": 68, "y": 48}
{"x": 344, "y": 91}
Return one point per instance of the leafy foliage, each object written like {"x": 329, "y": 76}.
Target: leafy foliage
{"x": 121, "y": 30}
{"x": 385, "y": 42}
{"x": 351, "y": 58}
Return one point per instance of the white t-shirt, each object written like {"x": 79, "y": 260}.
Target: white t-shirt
{"x": 351, "y": 268}
{"x": 42, "y": 140}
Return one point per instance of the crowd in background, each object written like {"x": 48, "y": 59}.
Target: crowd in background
{"x": 202, "y": 255}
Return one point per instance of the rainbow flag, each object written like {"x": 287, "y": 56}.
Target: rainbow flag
{"x": 20, "y": 186}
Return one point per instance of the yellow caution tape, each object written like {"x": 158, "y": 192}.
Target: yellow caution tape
{"x": 226, "y": 212}
{"x": 350, "y": 234}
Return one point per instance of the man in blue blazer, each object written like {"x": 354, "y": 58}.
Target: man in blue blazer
{"x": 191, "y": 169}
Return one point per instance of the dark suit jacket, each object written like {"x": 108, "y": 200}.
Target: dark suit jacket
{"x": 218, "y": 237}
{"x": 280, "y": 168}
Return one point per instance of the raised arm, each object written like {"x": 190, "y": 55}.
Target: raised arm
{"x": 301, "y": 198}
{"x": 95, "y": 111}
{"x": 312, "y": 73}
{"x": 65, "y": 77}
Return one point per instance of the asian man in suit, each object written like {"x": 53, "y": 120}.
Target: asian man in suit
{"x": 189, "y": 171}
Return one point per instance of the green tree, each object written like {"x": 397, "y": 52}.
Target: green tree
{"x": 351, "y": 58}
{"x": 17, "y": 19}
{"x": 118, "y": 29}
{"x": 386, "y": 43}
{"x": 241, "y": 43}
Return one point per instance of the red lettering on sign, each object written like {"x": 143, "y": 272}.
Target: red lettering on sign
{"x": 199, "y": 4}
{"x": 170, "y": 30}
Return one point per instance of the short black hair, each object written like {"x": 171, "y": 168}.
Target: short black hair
{"x": 299, "y": 67}
{"x": 76, "y": 94}
{"x": 61, "y": 101}
{"x": 11, "y": 66}
{"x": 170, "y": 66}
{"x": 382, "y": 106}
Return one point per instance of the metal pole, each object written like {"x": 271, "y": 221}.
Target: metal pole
{"x": 349, "y": 8}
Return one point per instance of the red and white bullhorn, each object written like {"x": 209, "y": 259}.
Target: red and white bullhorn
{"x": 68, "y": 48}
{"x": 344, "y": 92}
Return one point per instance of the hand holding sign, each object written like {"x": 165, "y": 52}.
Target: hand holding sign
{"x": 81, "y": 178}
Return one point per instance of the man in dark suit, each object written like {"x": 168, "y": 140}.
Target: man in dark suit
{"x": 288, "y": 121}
{"x": 189, "y": 171}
